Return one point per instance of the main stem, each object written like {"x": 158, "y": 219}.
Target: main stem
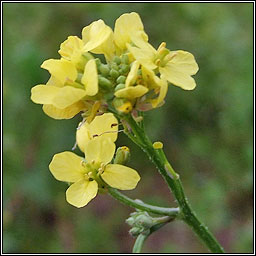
{"x": 158, "y": 157}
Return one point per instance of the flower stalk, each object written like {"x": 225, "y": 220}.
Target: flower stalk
{"x": 173, "y": 181}
{"x": 138, "y": 204}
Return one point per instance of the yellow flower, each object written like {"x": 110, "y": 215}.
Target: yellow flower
{"x": 100, "y": 39}
{"x": 90, "y": 175}
{"x": 128, "y": 26}
{"x": 62, "y": 96}
{"x": 175, "y": 66}
{"x": 105, "y": 126}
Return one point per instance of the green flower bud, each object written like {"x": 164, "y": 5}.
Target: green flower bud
{"x": 124, "y": 68}
{"x": 117, "y": 60}
{"x": 125, "y": 59}
{"x": 135, "y": 231}
{"x": 98, "y": 62}
{"x": 87, "y": 56}
{"x": 114, "y": 66}
{"x": 130, "y": 221}
{"x": 144, "y": 221}
{"x": 104, "y": 69}
{"x": 104, "y": 82}
{"x": 114, "y": 73}
{"x": 122, "y": 155}
{"x": 119, "y": 87}
{"x": 121, "y": 79}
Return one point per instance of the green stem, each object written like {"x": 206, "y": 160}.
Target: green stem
{"x": 160, "y": 222}
{"x": 141, "y": 238}
{"x": 173, "y": 212}
{"x": 158, "y": 157}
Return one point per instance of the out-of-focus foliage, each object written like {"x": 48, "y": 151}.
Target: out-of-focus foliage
{"x": 207, "y": 133}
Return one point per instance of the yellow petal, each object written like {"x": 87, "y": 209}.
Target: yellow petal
{"x": 81, "y": 193}
{"x": 82, "y": 136}
{"x": 62, "y": 69}
{"x": 53, "y": 81}
{"x": 163, "y": 91}
{"x": 126, "y": 25}
{"x": 43, "y": 94}
{"x": 105, "y": 126}
{"x": 65, "y": 113}
{"x": 179, "y": 69}
{"x": 120, "y": 176}
{"x": 67, "y": 166}
{"x": 131, "y": 92}
{"x": 72, "y": 48}
{"x": 67, "y": 96}
{"x": 133, "y": 74}
{"x": 100, "y": 150}
{"x": 90, "y": 78}
{"x": 95, "y": 35}
{"x": 144, "y": 56}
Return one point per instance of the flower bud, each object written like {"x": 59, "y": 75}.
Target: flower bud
{"x": 158, "y": 145}
{"x": 144, "y": 221}
{"x": 117, "y": 60}
{"x": 104, "y": 82}
{"x": 98, "y": 62}
{"x": 114, "y": 73}
{"x": 130, "y": 221}
{"x": 121, "y": 79}
{"x": 119, "y": 87}
{"x": 124, "y": 68}
{"x": 135, "y": 231}
{"x": 104, "y": 69}
{"x": 125, "y": 59}
{"x": 122, "y": 105}
{"x": 122, "y": 156}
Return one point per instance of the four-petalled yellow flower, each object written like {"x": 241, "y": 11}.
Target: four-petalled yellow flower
{"x": 93, "y": 172}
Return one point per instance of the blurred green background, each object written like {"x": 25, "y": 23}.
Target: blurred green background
{"x": 207, "y": 133}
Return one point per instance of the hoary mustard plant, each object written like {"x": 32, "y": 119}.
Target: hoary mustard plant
{"x": 112, "y": 77}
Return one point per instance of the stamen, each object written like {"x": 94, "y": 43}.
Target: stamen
{"x": 74, "y": 147}
{"x": 161, "y": 46}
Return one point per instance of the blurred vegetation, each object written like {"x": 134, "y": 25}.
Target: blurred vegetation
{"x": 207, "y": 133}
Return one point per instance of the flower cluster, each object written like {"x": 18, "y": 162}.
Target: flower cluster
{"x": 126, "y": 75}
{"x": 132, "y": 75}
